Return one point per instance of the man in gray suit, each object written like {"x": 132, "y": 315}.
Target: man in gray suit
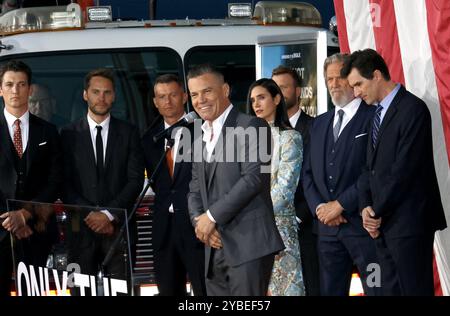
{"x": 229, "y": 201}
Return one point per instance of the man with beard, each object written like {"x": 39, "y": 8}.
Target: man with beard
{"x": 289, "y": 82}
{"x": 103, "y": 167}
{"x": 332, "y": 166}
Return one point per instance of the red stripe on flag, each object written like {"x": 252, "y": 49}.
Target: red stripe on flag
{"x": 342, "y": 26}
{"x": 386, "y": 37}
{"x": 438, "y": 20}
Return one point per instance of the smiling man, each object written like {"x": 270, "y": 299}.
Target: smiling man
{"x": 229, "y": 201}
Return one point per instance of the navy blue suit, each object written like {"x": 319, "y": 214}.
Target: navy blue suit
{"x": 330, "y": 172}
{"x": 400, "y": 184}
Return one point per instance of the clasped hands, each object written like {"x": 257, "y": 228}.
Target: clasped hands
{"x": 370, "y": 223}
{"x": 206, "y": 231}
{"x": 331, "y": 213}
{"x": 99, "y": 223}
{"x": 16, "y": 223}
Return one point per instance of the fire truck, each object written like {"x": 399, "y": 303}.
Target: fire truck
{"x": 62, "y": 44}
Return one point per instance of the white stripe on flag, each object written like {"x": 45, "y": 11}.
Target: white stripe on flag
{"x": 359, "y": 24}
{"x": 418, "y": 69}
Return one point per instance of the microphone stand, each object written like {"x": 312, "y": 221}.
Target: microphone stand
{"x": 151, "y": 180}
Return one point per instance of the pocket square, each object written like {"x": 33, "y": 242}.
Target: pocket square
{"x": 42, "y": 144}
{"x": 358, "y": 136}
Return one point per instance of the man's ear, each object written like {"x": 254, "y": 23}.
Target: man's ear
{"x": 226, "y": 89}
{"x": 85, "y": 95}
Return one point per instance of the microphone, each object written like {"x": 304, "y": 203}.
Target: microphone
{"x": 188, "y": 119}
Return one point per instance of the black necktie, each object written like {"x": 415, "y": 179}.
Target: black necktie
{"x": 99, "y": 150}
{"x": 376, "y": 125}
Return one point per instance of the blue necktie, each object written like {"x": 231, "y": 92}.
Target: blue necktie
{"x": 337, "y": 127}
{"x": 376, "y": 124}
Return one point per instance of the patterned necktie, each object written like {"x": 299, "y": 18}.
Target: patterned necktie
{"x": 376, "y": 124}
{"x": 169, "y": 156}
{"x": 337, "y": 127}
{"x": 18, "y": 138}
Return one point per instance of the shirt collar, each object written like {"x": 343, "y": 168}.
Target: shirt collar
{"x": 294, "y": 118}
{"x": 386, "y": 102}
{"x": 166, "y": 126}
{"x": 217, "y": 124}
{"x": 349, "y": 109}
{"x": 93, "y": 124}
{"x": 10, "y": 119}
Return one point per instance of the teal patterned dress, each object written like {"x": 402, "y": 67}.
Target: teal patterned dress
{"x": 287, "y": 277}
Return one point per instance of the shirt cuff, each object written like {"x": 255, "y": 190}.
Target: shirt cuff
{"x": 210, "y": 216}
{"x": 108, "y": 214}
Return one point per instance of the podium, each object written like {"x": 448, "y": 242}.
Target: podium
{"x": 65, "y": 256}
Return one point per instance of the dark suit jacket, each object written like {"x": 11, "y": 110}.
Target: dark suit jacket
{"x": 399, "y": 181}
{"x": 237, "y": 194}
{"x": 354, "y": 138}
{"x": 124, "y": 165}
{"x": 301, "y": 206}
{"x": 43, "y": 177}
{"x": 168, "y": 191}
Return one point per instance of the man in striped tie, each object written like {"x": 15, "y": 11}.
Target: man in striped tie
{"x": 399, "y": 193}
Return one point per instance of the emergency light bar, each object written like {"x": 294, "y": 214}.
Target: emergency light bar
{"x": 40, "y": 19}
{"x": 300, "y": 13}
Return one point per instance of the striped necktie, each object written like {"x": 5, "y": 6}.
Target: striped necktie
{"x": 376, "y": 124}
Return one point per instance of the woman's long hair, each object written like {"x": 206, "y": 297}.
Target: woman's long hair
{"x": 281, "y": 116}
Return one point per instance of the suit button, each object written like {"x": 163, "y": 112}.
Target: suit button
{"x": 173, "y": 191}
{"x": 331, "y": 164}
{"x": 332, "y": 151}
{"x": 372, "y": 172}
{"x": 330, "y": 177}
{"x": 21, "y": 173}
{"x": 331, "y": 190}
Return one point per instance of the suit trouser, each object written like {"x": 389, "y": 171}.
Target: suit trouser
{"x": 310, "y": 260}
{"x": 406, "y": 265}
{"x": 248, "y": 279}
{"x": 176, "y": 258}
{"x": 337, "y": 256}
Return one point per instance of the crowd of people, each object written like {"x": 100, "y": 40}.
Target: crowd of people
{"x": 274, "y": 203}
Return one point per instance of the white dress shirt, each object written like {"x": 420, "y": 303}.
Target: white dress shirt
{"x": 215, "y": 130}
{"x": 294, "y": 118}
{"x": 24, "y": 126}
{"x": 349, "y": 111}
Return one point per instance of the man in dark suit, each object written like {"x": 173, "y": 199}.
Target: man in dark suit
{"x": 333, "y": 163}
{"x": 289, "y": 82}
{"x": 103, "y": 167}
{"x": 30, "y": 164}
{"x": 177, "y": 251}
{"x": 229, "y": 199}
{"x": 399, "y": 194}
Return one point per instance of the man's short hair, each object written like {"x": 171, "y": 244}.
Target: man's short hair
{"x": 335, "y": 58}
{"x": 16, "y": 66}
{"x": 100, "y": 72}
{"x": 168, "y": 78}
{"x": 366, "y": 62}
{"x": 203, "y": 69}
{"x": 281, "y": 70}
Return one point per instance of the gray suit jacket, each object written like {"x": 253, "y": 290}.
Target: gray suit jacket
{"x": 237, "y": 193}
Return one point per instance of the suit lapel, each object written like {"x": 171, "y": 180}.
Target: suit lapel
{"x": 34, "y": 136}
{"x": 5, "y": 140}
{"x": 221, "y": 142}
{"x": 112, "y": 141}
{"x": 320, "y": 147}
{"x": 390, "y": 113}
{"x": 87, "y": 148}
